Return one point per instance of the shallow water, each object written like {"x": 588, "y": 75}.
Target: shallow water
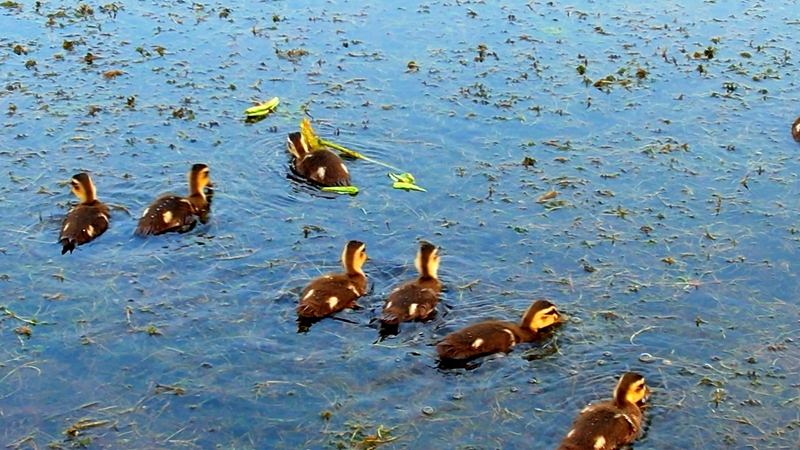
{"x": 669, "y": 244}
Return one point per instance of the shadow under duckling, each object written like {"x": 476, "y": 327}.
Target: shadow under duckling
{"x": 610, "y": 425}
{"x": 494, "y": 336}
{"x": 86, "y": 220}
{"x": 173, "y": 213}
{"x": 416, "y": 299}
{"x": 322, "y": 167}
{"x": 332, "y": 293}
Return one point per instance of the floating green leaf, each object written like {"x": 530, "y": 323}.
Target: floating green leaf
{"x": 349, "y": 190}
{"x": 262, "y": 109}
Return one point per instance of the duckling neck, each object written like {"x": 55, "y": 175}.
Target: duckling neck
{"x": 196, "y": 192}
{"x": 353, "y": 272}
{"x": 527, "y": 334}
{"x": 623, "y": 403}
{"x": 425, "y": 276}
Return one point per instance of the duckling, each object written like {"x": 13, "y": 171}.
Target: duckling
{"x": 610, "y": 425}
{"x": 171, "y": 212}
{"x": 796, "y": 130}
{"x": 416, "y": 299}
{"x": 494, "y": 336}
{"x": 332, "y": 293}
{"x": 322, "y": 167}
{"x": 86, "y": 220}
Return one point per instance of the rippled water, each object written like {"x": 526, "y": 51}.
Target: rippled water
{"x": 669, "y": 244}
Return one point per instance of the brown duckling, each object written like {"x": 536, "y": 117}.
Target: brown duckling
{"x": 322, "y": 167}
{"x": 332, "y": 293}
{"x": 86, "y": 220}
{"x": 610, "y": 425}
{"x": 494, "y": 336}
{"x": 796, "y": 130}
{"x": 416, "y": 299}
{"x": 171, "y": 212}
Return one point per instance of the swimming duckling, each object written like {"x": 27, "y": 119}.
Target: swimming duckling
{"x": 171, "y": 212}
{"x": 796, "y": 130}
{"x": 495, "y": 336}
{"x": 610, "y": 425}
{"x": 416, "y": 299}
{"x": 322, "y": 167}
{"x": 332, "y": 293}
{"x": 86, "y": 220}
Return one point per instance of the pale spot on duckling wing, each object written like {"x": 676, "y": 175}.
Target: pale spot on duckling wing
{"x": 166, "y": 214}
{"x": 600, "y": 443}
{"x": 479, "y": 339}
{"x": 82, "y": 224}
{"x": 411, "y": 301}
{"x": 329, "y": 294}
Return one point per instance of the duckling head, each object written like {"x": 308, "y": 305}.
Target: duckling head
{"x": 541, "y": 314}
{"x": 354, "y": 256}
{"x": 199, "y": 179}
{"x": 297, "y": 145}
{"x": 630, "y": 389}
{"x": 83, "y": 188}
{"x": 427, "y": 260}
{"x": 796, "y": 130}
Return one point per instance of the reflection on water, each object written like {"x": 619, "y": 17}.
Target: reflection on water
{"x": 664, "y": 132}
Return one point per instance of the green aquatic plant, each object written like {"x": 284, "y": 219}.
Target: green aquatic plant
{"x": 262, "y": 109}
{"x": 404, "y": 180}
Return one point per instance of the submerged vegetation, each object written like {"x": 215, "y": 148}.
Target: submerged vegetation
{"x": 635, "y": 166}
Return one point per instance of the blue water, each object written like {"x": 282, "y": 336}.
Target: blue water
{"x": 704, "y": 294}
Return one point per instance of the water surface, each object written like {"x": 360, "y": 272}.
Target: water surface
{"x": 664, "y": 131}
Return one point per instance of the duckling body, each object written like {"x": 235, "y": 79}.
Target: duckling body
{"x": 610, "y": 425}
{"x": 416, "y": 300}
{"x": 796, "y": 130}
{"x": 171, "y": 212}
{"x": 322, "y": 167}
{"x": 86, "y": 220}
{"x": 494, "y": 336}
{"x": 329, "y": 294}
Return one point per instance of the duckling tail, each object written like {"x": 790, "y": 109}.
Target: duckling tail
{"x": 447, "y": 350}
{"x": 308, "y": 312}
{"x": 390, "y": 318}
{"x": 68, "y": 245}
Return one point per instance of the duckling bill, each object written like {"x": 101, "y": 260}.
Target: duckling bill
{"x": 86, "y": 220}
{"x": 322, "y": 167}
{"x": 610, "y": 425}
{"x": 494, "y": 336}
{"x": 171, "y": 212}
{"x": 417, "y": 299}
{"x": 332, "y": 293}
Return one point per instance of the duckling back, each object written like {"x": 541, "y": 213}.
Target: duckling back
{"x": 83, "y": 223}
{"x": 330, "y": 294}
{"x": 171, "y": 213}
{"x": 603, "y": 427}
{"x": 323, "y": 167}
{"x": 482, "y": 338}
{"x": 414, "y": 300}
